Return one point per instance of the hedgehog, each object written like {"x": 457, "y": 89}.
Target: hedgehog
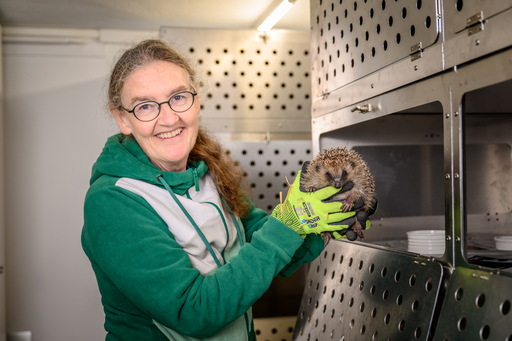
{"x": 337, "y": 167}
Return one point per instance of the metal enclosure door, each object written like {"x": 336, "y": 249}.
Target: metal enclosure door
{"x": 2, "y": 208}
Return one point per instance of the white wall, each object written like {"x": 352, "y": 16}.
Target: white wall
{"x": 54, "y": 129}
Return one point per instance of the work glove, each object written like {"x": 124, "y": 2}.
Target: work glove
{"x": 313, "y": 212}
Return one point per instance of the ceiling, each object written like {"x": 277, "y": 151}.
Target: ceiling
{"x": 147, "y": 14}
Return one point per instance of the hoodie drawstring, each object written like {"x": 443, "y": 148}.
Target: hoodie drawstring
{"x": 198, "y": 230}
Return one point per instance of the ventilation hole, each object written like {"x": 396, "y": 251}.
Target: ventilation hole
{"x": 217, "y": 62}
{"x": 351, "y": 281}
{"x": 399, "y": 300}
{"x": 412, "y": 280}
{"x": 428, "y": 22}
{"x": 480, "y": 300}
{"x": 458, "y": 293}
{"x": 485, "y": 331}
{"x": 360, "y": 21}
{"x": 385, "y": 295}
{"x": 285, "y": 163}
{"x": 383, "y": 5}
{"x": 362, "y": 57}
{"x": 372, "y": 290}
{"x": 378, "y": 28}
{"x": 505, "y": 307}
{"x": 261, "y": 196}
{"x": 429, "y": 285}
{"x": 374, "y": 312}
{"x": 458, "y": 5}
{"x": 208, "y": 50}
{"x": 352, "y": 63}
{"x": 397, "y": 276}
{"x": 418, "y": 4}
{"x": 361, "y": 285}
{"x": 341, "y": 260}
{"x": 383, "y": 272}
{"x": 367, "y": 36}
{"x": 373, "y": 51}
{"x": 253, "y": 163}
{"x": 461, "y": 324}
{"x": 258, "y": 51}
{"x": 412, "y": 31}
{"x": 390, "y": 21}
{"x": 346, "y": 13}
{"x": 346, "y": 48}
{"x": 341, "y": 34}
{"x": 387, "y": 318}
{"x": 385, "y": 45}
{"x": 371, "y": 12}
{"x": 217, "y": 107}
{"x": 398, "y": 38}
{"x": 356, "y": 42}
{"x": 414, "y": 306}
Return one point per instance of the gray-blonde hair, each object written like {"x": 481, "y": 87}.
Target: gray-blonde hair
{"x": 142, "y": 54}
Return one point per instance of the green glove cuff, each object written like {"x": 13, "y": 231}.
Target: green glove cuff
{"x": 288, "y": 217}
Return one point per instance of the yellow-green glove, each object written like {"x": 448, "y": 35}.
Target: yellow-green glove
{"x": 308, "y": 213}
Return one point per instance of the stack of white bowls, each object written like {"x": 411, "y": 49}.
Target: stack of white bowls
{"x": 426, "y": 242}
{"x": 503, "y": 243}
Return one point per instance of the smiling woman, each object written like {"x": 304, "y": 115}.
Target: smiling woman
{"x": 179, "y": 251}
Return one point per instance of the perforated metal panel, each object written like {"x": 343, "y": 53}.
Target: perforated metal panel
{"x": 352, "y": 39}
{"x": 355, "y": 292}
{"x": 252, "y": 82}
{"x": 268, "y": 165}
{"x": 477, "y": 306}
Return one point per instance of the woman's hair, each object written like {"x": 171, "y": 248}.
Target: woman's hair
{"x": 227, "y": 174}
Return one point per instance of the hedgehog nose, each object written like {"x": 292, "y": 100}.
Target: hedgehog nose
{"x": 337, "y": 184}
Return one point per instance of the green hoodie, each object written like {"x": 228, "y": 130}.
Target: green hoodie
{"x": 155, "y": 274}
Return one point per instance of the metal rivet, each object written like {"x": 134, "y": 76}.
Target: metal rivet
{"x": 448, "y": 238}
{"x": 447, "y": 176}
{"x": 457, "y": 239}
{"x": 456, "y": 113}
{"x": 371, "y": 86}
{"x": 477, "y": 42}
{"x": 456, "y": 175}
{"x": 415, "y": 67}
{"x": 447, "y": 115}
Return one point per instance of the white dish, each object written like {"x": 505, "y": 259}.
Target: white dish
{"x": 426, "y": 250}
{"x": 426, "y": 235}
{"x": 503, "y": 242}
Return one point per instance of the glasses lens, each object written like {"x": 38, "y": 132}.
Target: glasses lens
{"x": 146, "y": 111}
{"x": 181, "y": 101}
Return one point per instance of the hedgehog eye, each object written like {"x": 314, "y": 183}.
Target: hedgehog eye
{"x": 328, "y": 174}
{"x": 344, "y": 173}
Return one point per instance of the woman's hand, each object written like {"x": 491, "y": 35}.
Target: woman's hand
{"x": 312, "y": 212}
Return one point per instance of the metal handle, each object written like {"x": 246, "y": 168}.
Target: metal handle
{"x": 362, "y": 108}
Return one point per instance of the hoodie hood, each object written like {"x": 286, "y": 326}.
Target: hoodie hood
{"x": 122, "y": 157}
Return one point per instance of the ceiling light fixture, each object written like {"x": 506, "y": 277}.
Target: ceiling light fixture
{"x": 276, "y": 14}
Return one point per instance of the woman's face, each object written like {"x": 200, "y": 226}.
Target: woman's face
{"x": 169, "y": 138}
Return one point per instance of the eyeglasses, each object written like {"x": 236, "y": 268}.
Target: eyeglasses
{"x": 148, "y": 111}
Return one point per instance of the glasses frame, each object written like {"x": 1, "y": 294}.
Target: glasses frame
{"x": 160, "y": 105}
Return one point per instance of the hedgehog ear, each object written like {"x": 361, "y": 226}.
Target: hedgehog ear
{"x": 317, "y": 168}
